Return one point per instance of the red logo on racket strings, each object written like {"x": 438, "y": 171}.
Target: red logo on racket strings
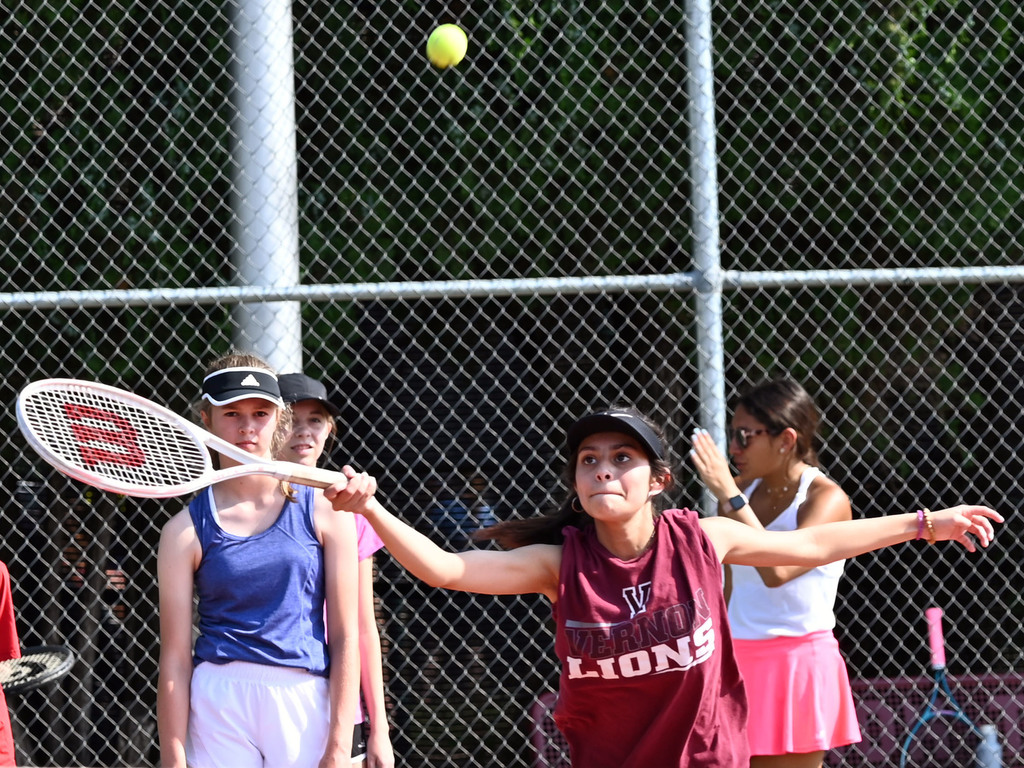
{"x": 121, "y": 436}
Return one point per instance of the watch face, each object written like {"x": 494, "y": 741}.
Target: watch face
{"x": 738, "y": 502}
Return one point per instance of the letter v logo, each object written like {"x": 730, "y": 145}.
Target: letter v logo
{"x": 637, "y": 597}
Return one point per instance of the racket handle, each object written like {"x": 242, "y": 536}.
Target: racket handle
{"x": 314, "y": 476}
{"x": 935, "y": 639}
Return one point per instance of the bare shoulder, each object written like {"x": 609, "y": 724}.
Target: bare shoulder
{"x": 719, "y": 525}
{"x": 723, "y": 533}
{"x": 538, "y": 567}
{"x": 330, "y": 522}
{"x": 179, "y": 542}
{"x": 179, "y": 525}
{"x": 826, "y": 502}
{"x": 549, "y": 554}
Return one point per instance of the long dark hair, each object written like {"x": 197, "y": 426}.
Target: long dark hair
{"x": 547, "y": 528}
{"x": 782, "y": 404}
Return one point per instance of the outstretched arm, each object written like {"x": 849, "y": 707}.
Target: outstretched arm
{"x": 530, "y": 569}
{"x": 742, "y": 545}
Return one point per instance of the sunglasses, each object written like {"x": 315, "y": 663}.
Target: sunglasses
{"x": 742, "y": 436}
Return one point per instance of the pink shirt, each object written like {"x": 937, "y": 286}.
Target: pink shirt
{"x": 367, "y": 540}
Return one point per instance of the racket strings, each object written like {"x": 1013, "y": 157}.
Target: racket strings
{"x": 115, "y": 438}
{"x": 36, "y": 666}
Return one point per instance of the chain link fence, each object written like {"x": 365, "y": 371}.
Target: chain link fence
{"x": 867, "y": 136}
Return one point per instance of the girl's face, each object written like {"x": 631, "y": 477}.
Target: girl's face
{"x": 613, "y": 476}
{"x": 248, "y": 424}
{"x": 311, "y": 427}
{"x": 760, "y": 454}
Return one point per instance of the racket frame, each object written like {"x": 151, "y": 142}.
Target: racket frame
{"x": 37, "y": 678}
{"x": 204, "y": 442}
{"x": 937, "y": 647}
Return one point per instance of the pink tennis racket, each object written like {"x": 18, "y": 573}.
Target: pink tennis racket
{"x": 118, "y": 441}
{"x": 942, "y": 711}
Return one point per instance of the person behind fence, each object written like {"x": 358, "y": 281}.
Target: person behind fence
{"x": 457, "y": 514}
{"x": 10, "y": 648}
{"x": 314, "y": 427}
{"x": 648, "y": 672}
{"x": 782, "y": 617}
{"x": 264, "y": 685}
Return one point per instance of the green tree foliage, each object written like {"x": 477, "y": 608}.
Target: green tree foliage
{"x": 850, "y": 134}
{"x": 884, "y": 134}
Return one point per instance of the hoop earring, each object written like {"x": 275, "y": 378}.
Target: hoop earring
{"x": 573, "y": 506}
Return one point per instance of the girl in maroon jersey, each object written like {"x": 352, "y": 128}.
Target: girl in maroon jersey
{"x": 648, "y": 671}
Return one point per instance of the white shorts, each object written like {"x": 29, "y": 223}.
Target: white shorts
{"x": 255, "y": 715}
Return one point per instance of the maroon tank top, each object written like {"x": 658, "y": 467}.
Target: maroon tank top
{"x": 648, "y": 672}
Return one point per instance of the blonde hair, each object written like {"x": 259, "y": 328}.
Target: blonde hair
{"x": 237, "y": 359}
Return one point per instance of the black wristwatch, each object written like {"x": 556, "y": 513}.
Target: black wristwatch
{"x": 738, "y": 502}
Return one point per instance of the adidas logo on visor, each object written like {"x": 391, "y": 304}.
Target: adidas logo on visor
{"x": 249, "y": 381}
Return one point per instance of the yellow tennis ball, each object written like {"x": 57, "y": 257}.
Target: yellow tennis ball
{"x": 447, "y": 46}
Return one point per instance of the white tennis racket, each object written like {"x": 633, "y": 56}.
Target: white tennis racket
{"x": 121, "y": 442}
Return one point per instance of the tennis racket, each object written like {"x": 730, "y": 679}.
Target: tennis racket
{"x": 36, "y": 666}
{"x": 118, "y": 441}
{"x": 941, "y": 704}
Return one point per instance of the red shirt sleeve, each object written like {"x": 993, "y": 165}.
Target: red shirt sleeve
{"x": 9, "y": 646}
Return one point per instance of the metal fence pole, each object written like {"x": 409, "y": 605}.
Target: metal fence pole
{"x": 266, "y": 184}
{"x": 706, "y": 250}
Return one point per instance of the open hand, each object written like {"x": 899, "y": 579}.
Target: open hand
{"x": 964, "y": 524}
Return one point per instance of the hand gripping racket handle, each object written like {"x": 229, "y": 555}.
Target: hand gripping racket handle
{"x": 314, "y": 476}
{"x": 935, "y": 639}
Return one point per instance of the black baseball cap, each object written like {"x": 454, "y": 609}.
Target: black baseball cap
{"x": 229, "y": 385}
{"x": 615, "y": 421}
{"x": 299, "y": 386}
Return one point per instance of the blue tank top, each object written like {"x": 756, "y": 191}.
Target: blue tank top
{"x": 261, "y": 598}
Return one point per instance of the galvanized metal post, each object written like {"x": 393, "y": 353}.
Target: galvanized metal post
{"x": 266, "y": 180}
{"x": 706, "y": 236}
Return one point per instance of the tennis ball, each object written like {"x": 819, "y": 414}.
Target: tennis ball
{"x": 446, "y": 46}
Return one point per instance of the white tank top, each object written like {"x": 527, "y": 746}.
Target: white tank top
{"x": 800, "y": 606}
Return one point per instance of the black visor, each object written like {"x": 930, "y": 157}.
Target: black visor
{"x": 230, "y": 385}
{"x": 615, "y": 421}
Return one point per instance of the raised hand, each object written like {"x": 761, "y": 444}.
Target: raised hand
{"x": 712, "y": 466}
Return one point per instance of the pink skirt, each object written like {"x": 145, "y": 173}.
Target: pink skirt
{"x": 799, "y": 693}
